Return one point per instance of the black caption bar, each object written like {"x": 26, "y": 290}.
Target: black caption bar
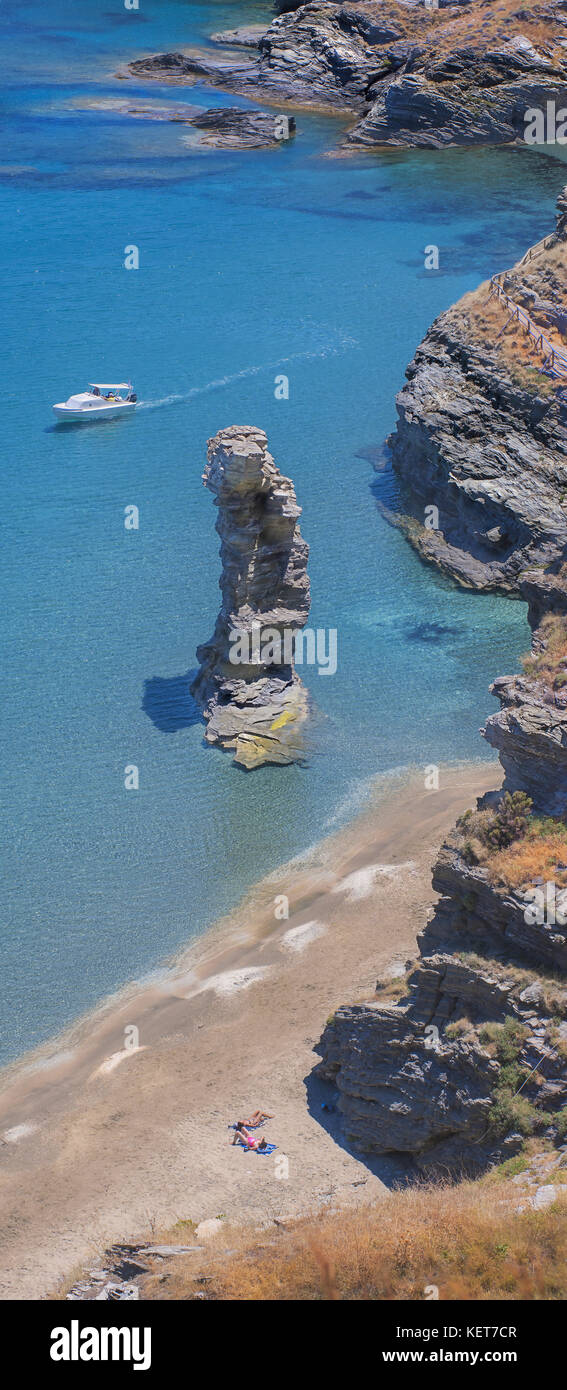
{"x": 144, "y": 1339}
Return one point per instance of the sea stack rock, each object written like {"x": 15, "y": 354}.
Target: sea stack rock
{"x": 247, "y": 687}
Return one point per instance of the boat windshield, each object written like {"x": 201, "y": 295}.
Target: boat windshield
{"x": 109, "y": 385}
{"x": 110, "y": 390}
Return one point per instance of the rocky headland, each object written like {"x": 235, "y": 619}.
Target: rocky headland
{"x": 457, "y": 1064}
{"x": 411, "y": 75}
{"x": 481, "y": 441}
{"x": 251, "y": 696}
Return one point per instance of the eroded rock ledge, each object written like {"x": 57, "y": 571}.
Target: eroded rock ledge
{"x": 247, "y": 687}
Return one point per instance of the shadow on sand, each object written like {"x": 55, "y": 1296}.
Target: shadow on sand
{"x": 394, "y": 1171}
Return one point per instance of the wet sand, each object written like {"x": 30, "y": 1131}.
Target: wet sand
{"x": 119, "y": 1127}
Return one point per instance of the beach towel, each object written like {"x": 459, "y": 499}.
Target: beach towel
{"x": 269, "y": 1149}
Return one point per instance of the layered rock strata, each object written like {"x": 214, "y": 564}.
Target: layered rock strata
{"x": 247, "y": 686}
{"x": 228, "y": 128}
{"x": 409, "y": 1087}
{"x": 530, "y": 733}
{"x": 410, "y": 74}
{"x": 481, "y": 439}
{"x": 471, "y": 1059}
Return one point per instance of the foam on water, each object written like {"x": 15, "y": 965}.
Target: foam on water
{"x": 330, "y": 349}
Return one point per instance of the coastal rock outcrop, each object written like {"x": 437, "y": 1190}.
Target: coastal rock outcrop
{"x": 229, "y": 128}
{"x": 470, "y": 1060}
{"x": 481, "y": 439}
{"x": 247, "y": 686}
{"x": 455, "y": 1066}
{"x": 317, "y": 55}
{"x": 475, "y": 914}
{"x": 428, "y": 1078}
{"x": 530, "y": 733}
{"x": 246, "y": 36}
{"x": 469, "y": 95}
{"x": 411, "y": 74}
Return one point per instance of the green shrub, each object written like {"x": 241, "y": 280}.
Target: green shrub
{"x": 506, "y": 1038}
{"x": 510, "y": 822}
{"x": 510, "y": 1112}
{"x": 560, "y": 1123}
{"x": 511, "y": 1077}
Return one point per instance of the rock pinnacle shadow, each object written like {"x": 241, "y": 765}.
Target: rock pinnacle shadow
{"x": 168, "y": 703}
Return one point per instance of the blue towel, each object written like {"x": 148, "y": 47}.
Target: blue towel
{"x": 269, "y": 1149}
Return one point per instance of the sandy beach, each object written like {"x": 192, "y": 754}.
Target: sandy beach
{"x": 119, "y": 1128}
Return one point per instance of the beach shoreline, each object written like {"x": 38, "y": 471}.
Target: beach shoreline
{"x": 122, "y": 1126}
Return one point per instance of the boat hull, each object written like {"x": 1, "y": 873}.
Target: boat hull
{"x": 93, "y": 412}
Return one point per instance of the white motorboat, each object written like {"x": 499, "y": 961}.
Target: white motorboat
{"x": 103, "y": 401}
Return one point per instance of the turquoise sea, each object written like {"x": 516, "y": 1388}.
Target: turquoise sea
{"x": 251, "y": 265}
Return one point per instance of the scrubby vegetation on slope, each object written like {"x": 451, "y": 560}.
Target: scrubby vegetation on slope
{"x": 468, "y": 1242}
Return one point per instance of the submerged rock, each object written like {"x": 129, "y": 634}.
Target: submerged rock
{"x": 225, "y": 127}
{"x": 247, "y": 687}
{"x": 229, "y": 128}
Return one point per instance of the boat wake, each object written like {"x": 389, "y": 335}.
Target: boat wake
{"x": 178, "y": 399}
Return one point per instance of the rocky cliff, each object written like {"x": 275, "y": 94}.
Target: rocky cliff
{"x": 410, "y": 74}
{"x": 481, "y": 439}
{"x": 247, "y": 687}
{"x": 455, "y": 1066}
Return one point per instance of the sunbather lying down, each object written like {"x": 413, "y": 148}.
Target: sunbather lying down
{"x": 257, "y": 1118}
{"x": 242, "y": 1136}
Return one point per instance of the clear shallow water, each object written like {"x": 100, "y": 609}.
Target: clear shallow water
{"x": 250, "y": 265}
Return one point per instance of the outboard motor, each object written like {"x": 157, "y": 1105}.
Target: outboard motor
{"x": 132, "y": 397}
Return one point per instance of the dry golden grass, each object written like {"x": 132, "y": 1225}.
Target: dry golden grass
{"x": 468, "y": 1240}
{"x": 538, "y": 855}
{"x": 549, "y": 662}
{"x": 487, "y": 320}
{"x": 480, "y": 25}
{"x": 390, "y": 990}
